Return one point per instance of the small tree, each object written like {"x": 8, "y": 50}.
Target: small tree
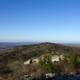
{"x": 46, "y": 63}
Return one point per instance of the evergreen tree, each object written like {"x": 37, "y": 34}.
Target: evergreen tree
{"x": 46, "y": 63}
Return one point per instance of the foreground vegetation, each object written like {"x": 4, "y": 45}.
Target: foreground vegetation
{"x": 12, "y": 59}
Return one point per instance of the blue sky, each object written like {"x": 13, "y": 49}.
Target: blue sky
{"x": 40, "y": 20}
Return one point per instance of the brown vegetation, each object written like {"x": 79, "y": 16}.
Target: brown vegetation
{"x": 11, "y": 60}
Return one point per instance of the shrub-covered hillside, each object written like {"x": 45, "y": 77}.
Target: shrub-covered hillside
{"x": 25, "y": 52}
{"x": 11, "y": 59}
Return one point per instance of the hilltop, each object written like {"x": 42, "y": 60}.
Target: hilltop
{"x": 27, "y": 51}
{"x": 12, "y": 59}
{"x": 24, "y": 52}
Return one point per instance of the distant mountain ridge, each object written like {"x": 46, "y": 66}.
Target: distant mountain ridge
{"x": 14, "y": 44}
{"x": 73, "y": 44}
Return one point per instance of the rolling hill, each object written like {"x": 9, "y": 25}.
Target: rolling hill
{"x": 27, "y": 51}
{"x": 12, "y": 59}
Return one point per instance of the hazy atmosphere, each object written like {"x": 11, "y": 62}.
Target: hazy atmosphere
{"x": 40, "y": 20}
{"x": 39, "y": 39}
